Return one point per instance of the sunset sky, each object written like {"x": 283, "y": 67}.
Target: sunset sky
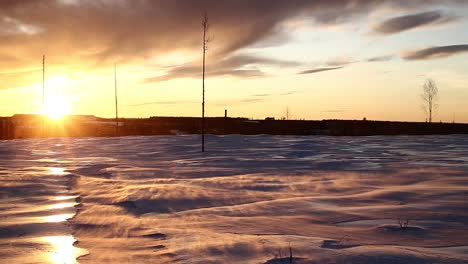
{"x": 344, "y": 59}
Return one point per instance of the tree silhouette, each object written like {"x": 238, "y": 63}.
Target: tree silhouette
{"x": 206, "y": 39}
{"x": 429, "y": 98}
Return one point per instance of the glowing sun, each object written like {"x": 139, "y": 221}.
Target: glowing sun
{"x": 56, "y": 107}
{"x": 57, "y": 104}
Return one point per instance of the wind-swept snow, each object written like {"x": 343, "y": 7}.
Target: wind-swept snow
{"x": 247, "y": 200}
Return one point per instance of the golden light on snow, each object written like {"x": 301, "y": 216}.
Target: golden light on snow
{"x": 62, "y": 205}
{"x": 63, "y": 251}
{"x": 56, "y": 171}
{"x": 63, "y": 197}
{"x": 57, "y": 218}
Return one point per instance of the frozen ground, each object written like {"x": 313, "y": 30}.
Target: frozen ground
{"x": 247, "y": 200}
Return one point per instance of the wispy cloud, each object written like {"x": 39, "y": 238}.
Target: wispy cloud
{"x": 407, "y": 22}
{"x": 339, "y": 61}
{"x": 316, "y": 70}
{"x": 435, "y": 52}
{"x": 147, "y": 29}
{"x": 380, "y": 58}
{"x": 235, "y": 66}
{"x": 252, "y": 100}
{"x": 291, "y": 92}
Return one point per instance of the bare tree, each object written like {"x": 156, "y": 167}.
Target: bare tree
{"x": 429, "y": 98}
{"x": 206, "y": 39}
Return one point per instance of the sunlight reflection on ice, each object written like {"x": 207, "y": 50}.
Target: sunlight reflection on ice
{"x": 51, "y": 160}
{"x": 63, "y": 251}
{"x": 57, "y": 218}
{"x": 61, "y": 205}
{"x": 63, "y": 197}
{"x": 56, "y": 171}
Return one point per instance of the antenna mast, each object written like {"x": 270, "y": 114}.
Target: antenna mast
{"x": 42, "y": 133}
{"x": 116, "y": 105}
{"x": 43, "y": 84}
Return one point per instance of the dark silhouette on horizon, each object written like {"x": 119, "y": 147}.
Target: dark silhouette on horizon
{"x": 28, "y": 126}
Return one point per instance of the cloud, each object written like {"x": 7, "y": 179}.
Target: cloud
{"x": 252, "y": 100}
{"x": 291, "y": 92}
{"x": 380, "y": 58}
{"x": 435, "y": 52}
{"x": 102, "y": 31}
{"x": 12, "y": 26}
{"x": 235, "y": 66}
{"x": 407, "y": 22}
{"x": 94, "y": 34}
{"x": 340, "y": 61}
{"x": 316, "y": 70}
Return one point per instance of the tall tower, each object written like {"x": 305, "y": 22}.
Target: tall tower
{"x": 116, "y": 104}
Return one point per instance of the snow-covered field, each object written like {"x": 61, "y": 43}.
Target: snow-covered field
{"x": 247, "y": 200}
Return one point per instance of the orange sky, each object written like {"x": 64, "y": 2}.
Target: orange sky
{"x": 319, "y": 59}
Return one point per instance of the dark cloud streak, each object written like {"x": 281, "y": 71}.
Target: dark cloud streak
{"x": 407, "y": 22}
{"x": 319, "y": 70}
{"x": 436, "y": 52}
{"x": 380, "y": 58}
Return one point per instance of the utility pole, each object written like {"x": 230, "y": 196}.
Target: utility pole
{"x": 205, "y": 26}
{"x": 43, "y": 97}
{"x": 116, "y": 105}
{"x": 43, "y": 84}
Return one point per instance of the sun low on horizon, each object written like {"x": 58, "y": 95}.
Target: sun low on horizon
{"x": 57, "y": 107}
{"x": 57, "y": 103}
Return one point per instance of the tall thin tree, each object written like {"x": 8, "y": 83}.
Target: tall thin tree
{"x": 205, "y": 26}
{"x": 42, "y": 132}
{"x": 116, "y": 102}
{"x": 429, "y": 98}
{"x": 43, "y": 84}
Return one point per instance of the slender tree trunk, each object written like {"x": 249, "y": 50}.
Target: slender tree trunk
{"x": 43, "y": 84}
{"x": 430, "y": 109}
{"x": 116, "y": 105}
{"x": 43, "y": 97}
{"x": 205, "y": 26}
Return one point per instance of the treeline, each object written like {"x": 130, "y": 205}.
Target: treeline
{"x": 89, "y": 126}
